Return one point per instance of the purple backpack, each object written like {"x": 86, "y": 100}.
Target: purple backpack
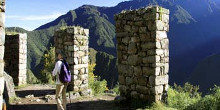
{"x": 65, "y": 75}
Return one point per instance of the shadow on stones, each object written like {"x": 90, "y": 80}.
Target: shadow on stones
{"x": 32, "y": 107}
{"x": 85, "y": 105}
{"x": 36, "y": 93}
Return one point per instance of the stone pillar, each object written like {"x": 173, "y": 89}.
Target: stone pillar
{"x": 73, "y": 41}
{"x": 16, "y": 57}
{"x": 2, "y": 41}
{"x": 143, "y": 53}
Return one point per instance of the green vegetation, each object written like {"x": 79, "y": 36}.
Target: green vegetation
{"x": 188, "y": 98}
{"x": 11, "y": 33}
{"x": 31, "y": 78}
{"x": 159, "y": 106}
{"x": 182, "y": 97}
{"x": 49, "y": 62}
{"x": 116, "y": 89}
{"x": 95, "y": 83}
{"x": 21, "y": 86}
{"x": 14, "y": 98}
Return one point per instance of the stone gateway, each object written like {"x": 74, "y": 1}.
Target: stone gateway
{"x": 74, "y": 42}
{"x": 143, "y": 53}
{"x": 16, "y": 57}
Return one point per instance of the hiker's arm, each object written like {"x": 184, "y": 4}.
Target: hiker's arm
{"x": 55, "y": 70}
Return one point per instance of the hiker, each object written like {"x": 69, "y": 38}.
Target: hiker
{"x": 61, "y": 80}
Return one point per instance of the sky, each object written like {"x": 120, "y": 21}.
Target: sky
{"x": 30, "y": 14}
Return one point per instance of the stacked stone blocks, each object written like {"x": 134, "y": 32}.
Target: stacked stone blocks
{"x": 16, "y": 57}
{"x": 73, "y": 41}
{"x": 143, "y": 53}
{"x": 2, "y": 48}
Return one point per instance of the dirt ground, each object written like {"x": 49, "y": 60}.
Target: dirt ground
{"x": 32, "y": 97}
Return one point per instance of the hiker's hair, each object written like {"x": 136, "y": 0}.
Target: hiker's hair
{"x": 62, "y": 54}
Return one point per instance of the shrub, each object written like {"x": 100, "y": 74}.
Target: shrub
{"x": 49, "y": 62}
{"x": 182, "y": 97}
{"x": 159, "y": 106}
{"x": 208, "y": 102}
{"x": 116, "y": 89}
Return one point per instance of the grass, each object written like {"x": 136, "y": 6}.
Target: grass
{"x": 11, "y": 33}
{"x": 13, "y": 99}
{"x": 21, "y": 86}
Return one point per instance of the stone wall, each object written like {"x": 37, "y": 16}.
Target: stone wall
{"x": 2, "y": 41}
{"x": 143, "y": 53}
{"x": 16, "y": 57}
{"x": 73, "y": 41}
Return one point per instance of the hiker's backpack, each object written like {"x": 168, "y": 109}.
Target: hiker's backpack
{"x": 65, "y": 75}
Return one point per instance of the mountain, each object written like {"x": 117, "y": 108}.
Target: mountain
{"x": 106, "y": 66}
{"x": 206, "y": 74}
{"x": 38, "y": 42}
{"x": 102, "y": 32}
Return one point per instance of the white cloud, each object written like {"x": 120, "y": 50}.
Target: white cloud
{"x": 35, "y": 17}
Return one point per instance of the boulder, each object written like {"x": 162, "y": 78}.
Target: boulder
{"x": 9, "y": 91}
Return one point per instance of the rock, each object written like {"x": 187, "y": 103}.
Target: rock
{"x": 2, "y": 83}
{"x": 122, "y": 68}
{"x": 121, "y": 79}
{"x": 125, "y": 40}
{"x": 2, "y": 64}
{"x": 82, "y": 71}
{"x": 85, "y": 59}
{"x": 142, "y": 89}
{"x": 129, "y": 81}
{"x": 165, "y": 43}
{"x": 85, "y": 92}
{"x": 142, "y": 29}
{"x": 137, "y": 71}
{"x": 133, "y": 59}
{"x": 37, "y": 100}
{"x": 9, "y": 87}
{"x": 148, "y": 46}
{"x": 86, "y": 32}
{"x": 158, "y": 80}
{"x": 29, "y": 96}
{"x": 76, "y": 61}
{"x": 166, "y": 68}
{"x": 82, "y": 48}
{"x": 157, "y": 89}
{"x": 122, "y": 88}
{"x": 132, "y": 49}
{"x": 2, "y": 50}
{"x": 127, "y": 28}
{"x": 160, "y": 25}
{"x": 77, "y": 82}
{"x": 79, "y": 66}
{"x": 49, "y": 97}
{"x": 151, "y": 59}
{"x": 134, "y": 94}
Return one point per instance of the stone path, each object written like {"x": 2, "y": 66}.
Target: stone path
{"x": 33, "y": 98}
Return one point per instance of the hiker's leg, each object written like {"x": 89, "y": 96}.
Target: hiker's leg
{"x": 59, "y": 89}
{"x": 64, "y": 96}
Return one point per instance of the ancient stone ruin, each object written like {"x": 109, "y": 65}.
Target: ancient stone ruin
{"x": 143, "y": 53}
{"x": 16, "y": 57}
{"x": 2, "y": 48}
{"x": 73, "y": 41}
